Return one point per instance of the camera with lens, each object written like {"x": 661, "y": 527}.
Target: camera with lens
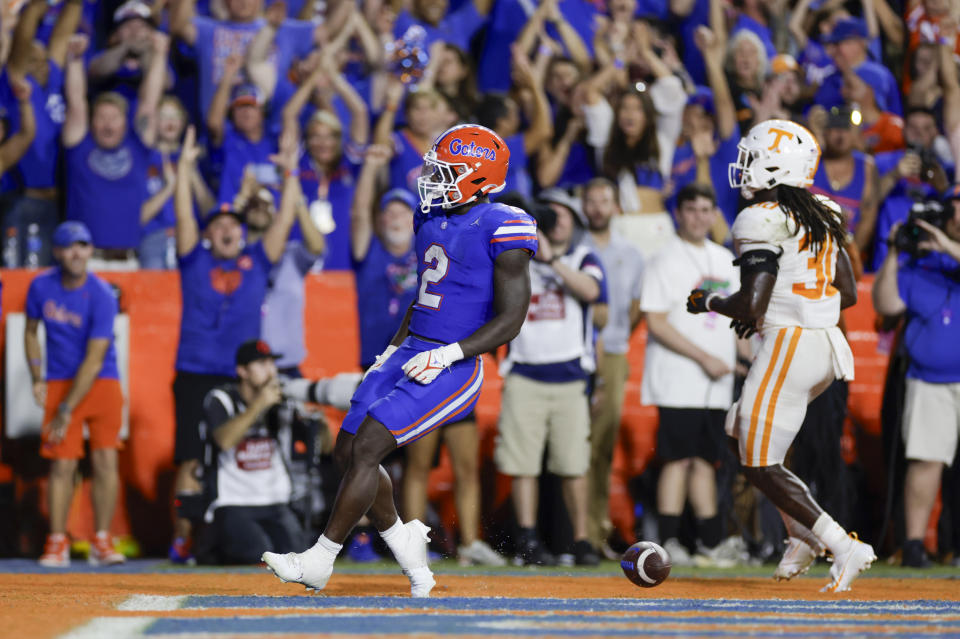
{"x": 928, "y": 161}
{"x": 909, "y": 235}
{"x": 545, "y": 216}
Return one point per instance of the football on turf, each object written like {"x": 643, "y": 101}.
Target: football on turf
{"x": 646, "y": 564}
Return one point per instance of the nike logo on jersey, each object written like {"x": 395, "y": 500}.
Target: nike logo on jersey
{"x": 476, "y": 222}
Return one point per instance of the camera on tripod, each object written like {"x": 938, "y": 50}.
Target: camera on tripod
{"x": 909, "y": 236}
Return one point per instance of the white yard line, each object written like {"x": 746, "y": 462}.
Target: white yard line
{"x": 103, "y": 627}
{"x": 152, "y": 603}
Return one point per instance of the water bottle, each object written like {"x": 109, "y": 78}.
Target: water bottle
{"x": 11, "y": 249}
{"x": 34, "y": 246}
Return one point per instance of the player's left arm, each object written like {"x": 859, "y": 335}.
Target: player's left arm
{"x": 511, "y": 297}
{"x": 845, "y": 282}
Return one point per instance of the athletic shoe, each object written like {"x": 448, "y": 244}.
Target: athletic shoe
{"x": 361, "y": 549}
{"x": 914, "y": 554}
{"x": 797, "y": 558}
{"x": 312, "y": 567}
{"x": 412, "y": 557}
{"x": 848, "y": 564}
{"x": 584, "y": 554}
{"x": 730, "y": 552}
{"x": 530, "y": 552}
{"x": 179, "y": 552}
{"x": 56, "y": 552}
{"x": 102, "y": 552}
{"x": 679, "y": 555}
{"x": 479, "y": 553}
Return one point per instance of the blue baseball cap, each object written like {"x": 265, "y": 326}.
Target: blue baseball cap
{"x": 703, "y": 97}
{"x": 874, "y": 77}
{"x": 70, "y": 233}
{"x": 844, "y": 29}
{"x": 400, "y": 195}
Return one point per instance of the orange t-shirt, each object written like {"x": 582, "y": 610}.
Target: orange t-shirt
{"x": 886, "y": 134}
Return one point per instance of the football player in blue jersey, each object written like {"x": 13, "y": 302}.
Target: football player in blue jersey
{"x": 473, "y": 293}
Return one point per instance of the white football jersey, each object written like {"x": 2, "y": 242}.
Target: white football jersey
{"x": 804, "y": 294}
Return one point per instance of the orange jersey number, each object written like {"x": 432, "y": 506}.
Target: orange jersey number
{"x": 822, "y": 267}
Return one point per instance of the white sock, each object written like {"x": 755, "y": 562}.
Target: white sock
{"x": 393, "y": 531}
{"x": 831, "y": 533}
{"x": 330, "y": 548}
{"x": 798, "y": 531}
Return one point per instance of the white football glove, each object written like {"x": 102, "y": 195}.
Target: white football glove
{"x": 381, "y": 360}
{"x": 424, "y": 367}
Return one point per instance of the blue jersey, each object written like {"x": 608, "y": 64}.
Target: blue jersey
{"x": 848, "y": 197}
{"x": 456, "y": 256}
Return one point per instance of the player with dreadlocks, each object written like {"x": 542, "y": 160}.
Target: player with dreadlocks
{"x": 795, "y": 277}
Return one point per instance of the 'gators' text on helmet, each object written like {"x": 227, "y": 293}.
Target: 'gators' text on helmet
{"x": 465, "y": 163}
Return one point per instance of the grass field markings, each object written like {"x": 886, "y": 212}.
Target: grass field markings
{"x": 818, "y": 607}
{"x": 476, "y": 624}
{"x": 152, "y": 603}
{"x": 101, "y": 627}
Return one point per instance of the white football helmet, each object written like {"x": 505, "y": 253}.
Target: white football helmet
{"x": 775, "y": 152}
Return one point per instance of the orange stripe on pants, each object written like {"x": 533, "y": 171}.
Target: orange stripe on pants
{"x": 772, "y": 404}
{"x": 450, "y": 398}
{"x": 758, "y": 401}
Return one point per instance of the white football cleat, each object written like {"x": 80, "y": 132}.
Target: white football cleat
{"x": 848, "y": 565}
{"x": 412, "y": 558}
{"x": 310, "y": 567}
{"x": 797, "y": 558}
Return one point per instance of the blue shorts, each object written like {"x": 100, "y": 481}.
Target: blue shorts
{"x": 407, "y": 408}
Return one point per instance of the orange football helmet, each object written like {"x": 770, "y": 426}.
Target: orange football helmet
{"x": 465, "y": 163}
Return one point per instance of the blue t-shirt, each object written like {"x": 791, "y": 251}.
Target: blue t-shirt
{"x": 216, "y": 41}
{"x": 887, "y": 96}
{"x": 222, "y": 302}
{"x": 763, "y": 32}
{"x": 848, "y": 197}
{"x": 930, "y": 287}
{"x": 692, "y": 58}
{"x": 340, "y": 196}
{"x": 685, "y": 171}
{"x": 239, "y": 154}
{"x": 38, "y": 166}
{"x": 386, "y": 285}
{"x": 456, "y": 27}
{"x": 518, "y": 178}
{"x": 106, "y": 188}
{"x": 456, "y": 256}
{"x": 406, "y": 163}
{"x": 71, "y": 318}
{"x": 506, "y": 22}
{"x": 896, "y": 206}
{"x": 167, "y": 217}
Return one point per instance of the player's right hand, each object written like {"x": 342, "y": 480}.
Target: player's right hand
{"x": 381, "y": 360}
{"x": 743, "y": 329}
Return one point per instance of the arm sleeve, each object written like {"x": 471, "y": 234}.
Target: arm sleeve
{"x": 512, "y": 228}
{"x": 102, "y": 313}
{"x": 34, "y": 302}
{"x": 215, "y": 411}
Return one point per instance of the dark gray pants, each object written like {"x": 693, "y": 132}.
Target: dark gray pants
{"x": 246, "y": 532}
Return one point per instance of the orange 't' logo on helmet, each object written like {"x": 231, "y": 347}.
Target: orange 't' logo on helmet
{"x": 780, "y": 134}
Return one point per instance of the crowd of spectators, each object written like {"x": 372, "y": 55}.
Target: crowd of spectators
{"x": 248, "y": 142}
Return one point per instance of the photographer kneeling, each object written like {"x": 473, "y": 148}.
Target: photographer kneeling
{"x": 260, "y": 446}
{"x": 920, "y": 276}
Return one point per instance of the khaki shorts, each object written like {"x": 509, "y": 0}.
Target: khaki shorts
{"x": 536, "y": 415}
{"x": 931, "y": 421}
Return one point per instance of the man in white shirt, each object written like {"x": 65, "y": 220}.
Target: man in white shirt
{"x": 688, "y": 371}
{"x": 623, "y": 265}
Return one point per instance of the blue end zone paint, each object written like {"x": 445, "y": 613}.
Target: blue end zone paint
{"x": 923, "y": 606}
{"x": 482, "y": 624}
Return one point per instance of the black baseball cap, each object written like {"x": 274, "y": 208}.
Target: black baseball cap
{"x": 253, "y": 350}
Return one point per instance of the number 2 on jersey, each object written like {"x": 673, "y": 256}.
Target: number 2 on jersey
{"x": 822, "y": 267}
{"x": 437, "y": 258}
